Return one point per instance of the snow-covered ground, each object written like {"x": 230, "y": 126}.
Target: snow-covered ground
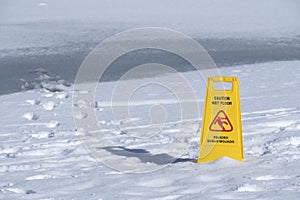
{"x": 41, "y": 156}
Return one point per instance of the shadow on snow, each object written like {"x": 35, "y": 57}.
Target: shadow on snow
{"x": 145, "y": 156}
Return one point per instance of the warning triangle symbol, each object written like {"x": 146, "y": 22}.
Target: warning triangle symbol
{"x": 221, "y": 123}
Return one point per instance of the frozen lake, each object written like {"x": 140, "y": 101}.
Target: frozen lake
{"x": 57, "y": 35}
{"x": 60, "y": 51}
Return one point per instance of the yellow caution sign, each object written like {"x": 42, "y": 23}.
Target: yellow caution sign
{"x": 221, "y": 133}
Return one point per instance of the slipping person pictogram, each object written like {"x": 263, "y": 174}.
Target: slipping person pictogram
{"x": 221, "y": 123}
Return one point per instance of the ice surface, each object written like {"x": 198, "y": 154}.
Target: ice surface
{"x": 55, "y": 40}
